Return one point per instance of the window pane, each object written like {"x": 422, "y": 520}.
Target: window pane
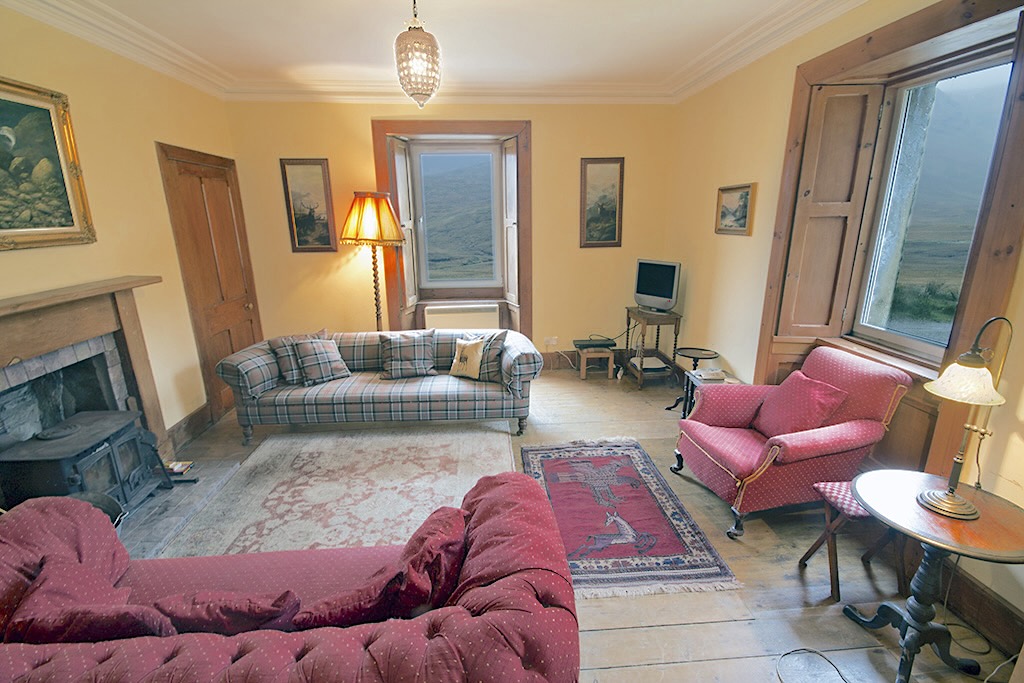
{"x": 936, "y": 181}
{"x": 458, "y": 218}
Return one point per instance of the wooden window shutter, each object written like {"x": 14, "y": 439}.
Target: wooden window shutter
{"x": 839, "y": 146}
{"x": 510, "y": 219}
{"x": 403, "y": 207}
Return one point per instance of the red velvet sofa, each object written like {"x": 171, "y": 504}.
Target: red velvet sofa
{"x": 511, "y": 616}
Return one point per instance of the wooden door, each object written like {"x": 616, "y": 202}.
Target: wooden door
{"x": 213, "y": 252}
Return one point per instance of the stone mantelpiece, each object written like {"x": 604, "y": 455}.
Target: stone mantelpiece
{"x": 33, "y": 325}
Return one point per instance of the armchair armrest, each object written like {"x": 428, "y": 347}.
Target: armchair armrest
{"x": 728, "y": 405}
{"x": 520, "y": 362}
{"x": 815, "y": 443}
{"x": 250, "y": 372}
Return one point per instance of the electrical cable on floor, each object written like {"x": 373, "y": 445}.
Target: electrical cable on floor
{"x": 945, "y": 615}
{"x": 989, "y": 677}
{"x": 778, "y": 662}
{"x": 572, "y": 363}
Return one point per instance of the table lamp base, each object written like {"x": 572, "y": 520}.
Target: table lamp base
{"x": 948, "y": 503}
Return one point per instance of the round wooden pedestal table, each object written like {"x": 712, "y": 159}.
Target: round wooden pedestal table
{"x": 996, "y": 536}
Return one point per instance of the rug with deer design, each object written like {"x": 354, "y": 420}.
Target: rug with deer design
{"x": 624, "y": 529}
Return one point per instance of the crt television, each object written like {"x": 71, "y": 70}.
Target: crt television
{"x": 657, "y": 284}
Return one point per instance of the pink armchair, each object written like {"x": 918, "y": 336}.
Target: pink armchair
{"x": 761, "y": 447}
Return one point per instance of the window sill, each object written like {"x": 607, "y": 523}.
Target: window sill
{"x": 919, "y": 371}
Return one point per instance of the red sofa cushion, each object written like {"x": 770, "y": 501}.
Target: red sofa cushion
{"x": 424, "y": 577}
{"x": 58, "y": 528}
{"x": 798, "y": 404}
{"x": 69, "y": 602}
{"x": 229, "y": 612}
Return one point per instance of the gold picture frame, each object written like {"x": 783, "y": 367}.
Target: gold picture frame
{"x": 601, "y": 201}
{"x": 735, "y": 212}
{"x": 307, "y": 197}
{"x": 42, "y": 193}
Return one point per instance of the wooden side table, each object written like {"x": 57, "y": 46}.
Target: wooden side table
{"x": 597, "y": 352}
{"x": 996, "y": 536}
{"x": 643, "y": 318}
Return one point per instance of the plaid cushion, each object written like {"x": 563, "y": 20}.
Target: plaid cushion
{"x": 320, "y": 361}
{"x": 251, "y": 371}
{"x": 284, "y": 349}
{"x": 408, "y": 354}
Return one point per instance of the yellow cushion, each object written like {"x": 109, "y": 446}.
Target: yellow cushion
{"x": 468, "y": 354}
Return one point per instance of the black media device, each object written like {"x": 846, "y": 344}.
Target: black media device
{"x": 593, "y": 343}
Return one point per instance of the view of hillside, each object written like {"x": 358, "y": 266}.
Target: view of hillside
{"x": 458, "y": 220}
{"x": 954, "y": 169}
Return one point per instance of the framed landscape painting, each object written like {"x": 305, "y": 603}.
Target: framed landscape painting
{"x": 307, "y": 198}
{"x": 735, "y": 214}
{"x": 601, "y": 202}
{"x": 42, "y": 194}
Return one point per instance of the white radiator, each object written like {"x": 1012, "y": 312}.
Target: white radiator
{"x": 461, "y": 316}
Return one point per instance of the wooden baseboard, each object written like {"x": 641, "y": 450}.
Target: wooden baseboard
{"x": 189, "y": 428}
{"x": 986, "y": 611}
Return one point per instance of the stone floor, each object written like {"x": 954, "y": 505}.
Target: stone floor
{"x": 760, "y": 632}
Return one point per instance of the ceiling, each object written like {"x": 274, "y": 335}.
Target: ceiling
{"x": 524, "y": 51}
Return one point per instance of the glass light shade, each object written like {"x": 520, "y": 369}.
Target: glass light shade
{"x": 966, "y": 384}
{"x": 371, "y": 220}
{"x": 418, "y": 58}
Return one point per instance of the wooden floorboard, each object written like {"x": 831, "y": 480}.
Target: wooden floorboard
{"x": 736, "y": 635}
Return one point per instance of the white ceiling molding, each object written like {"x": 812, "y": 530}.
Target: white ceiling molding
{"x": 101, "y": 25}
{"x": 754, "y": 40}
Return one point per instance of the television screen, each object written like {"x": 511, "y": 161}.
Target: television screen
{"x": 657, "y": 284}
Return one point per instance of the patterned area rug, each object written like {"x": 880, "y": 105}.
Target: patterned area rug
{"x": 341, "y": 489}
{"x": 625, "y": 531}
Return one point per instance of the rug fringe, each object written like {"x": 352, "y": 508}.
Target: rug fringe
{"x": 606, "y": 441}
{"x": 637, "y": 591}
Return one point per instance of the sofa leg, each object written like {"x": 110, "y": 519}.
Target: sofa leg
{"x": 678, "y": 467}
{"x": 737, "y": 526}
{"x": 246, "y": 435}
{"x": 522, "y": 426}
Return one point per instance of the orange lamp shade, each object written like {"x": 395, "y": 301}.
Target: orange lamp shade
{"x": 371, "y": 220}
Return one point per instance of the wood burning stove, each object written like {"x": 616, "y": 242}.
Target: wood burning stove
{"x": 101, "y": 451}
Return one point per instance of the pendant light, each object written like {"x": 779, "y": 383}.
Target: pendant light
{"x": 418, "y": 58}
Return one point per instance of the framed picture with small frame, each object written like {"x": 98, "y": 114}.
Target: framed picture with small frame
{"x": 601, "y": 202}
{"x": 735, "y": 212}
{"x": 307, "y": 198}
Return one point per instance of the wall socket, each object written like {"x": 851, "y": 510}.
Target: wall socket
{"x": 550, "y": 341}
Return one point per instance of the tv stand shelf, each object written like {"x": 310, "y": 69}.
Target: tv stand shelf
{"x": 644, "y": 317}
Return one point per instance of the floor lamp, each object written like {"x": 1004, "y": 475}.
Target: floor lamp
{"x": 371, "y": 221}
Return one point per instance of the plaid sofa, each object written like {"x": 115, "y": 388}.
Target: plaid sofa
{"x": 263, "y": 398}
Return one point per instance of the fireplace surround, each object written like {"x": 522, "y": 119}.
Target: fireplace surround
{"x": 59, "y": 345}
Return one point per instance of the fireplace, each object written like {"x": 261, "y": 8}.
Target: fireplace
{"x": 92, "y": 451}
{"x": 67, "y": 357}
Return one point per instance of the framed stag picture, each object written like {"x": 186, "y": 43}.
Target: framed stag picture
{"x": 42, "y": 193}
{"x": 735, "y": 214}
{"x": 601, "y": 202}
{"x": 307, "y": 198}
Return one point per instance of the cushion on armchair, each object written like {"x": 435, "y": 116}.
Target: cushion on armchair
{"x": 798, "y": 404}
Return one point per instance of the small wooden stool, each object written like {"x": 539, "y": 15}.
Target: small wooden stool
{"x": 841, "y": 507}
{"x": 597, "y": 352}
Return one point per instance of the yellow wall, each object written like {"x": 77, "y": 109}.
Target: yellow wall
{"x": 576, "y": 291}
{"x": 119, "y": 109}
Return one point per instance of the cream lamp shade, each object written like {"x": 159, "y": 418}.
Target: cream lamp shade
{"x": 371, "y": 220}
{"x": 966, "y": 384}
